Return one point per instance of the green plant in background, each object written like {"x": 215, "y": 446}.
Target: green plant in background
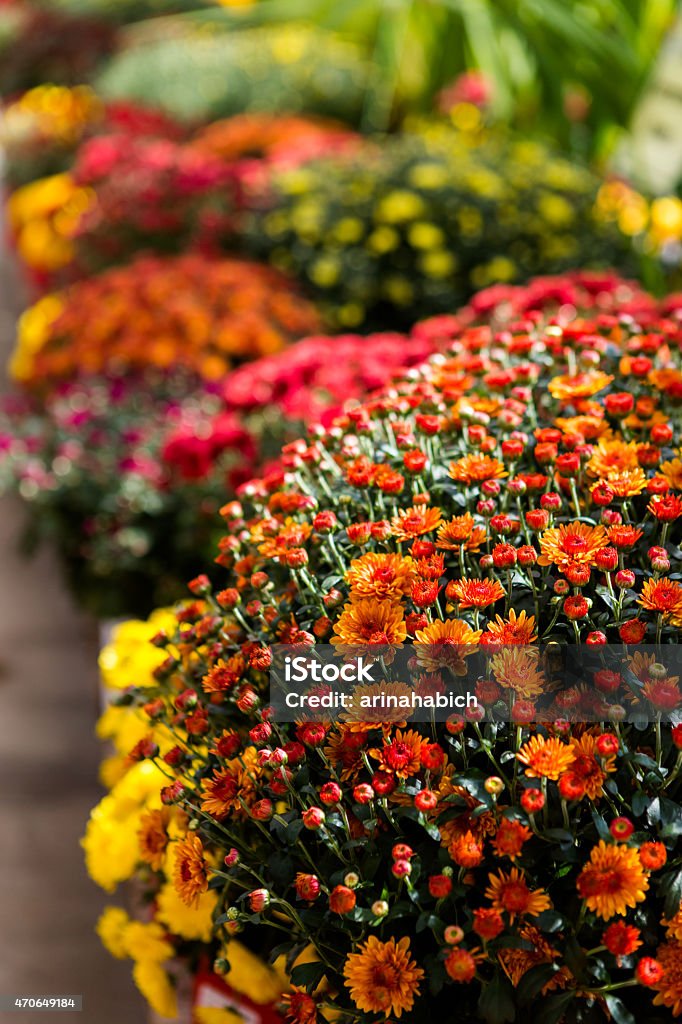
{"x": 122, "y": 12}
{"x": 205, "y": 75}
{"x": 413, "y": 226}
{"x": 573, "y": 69}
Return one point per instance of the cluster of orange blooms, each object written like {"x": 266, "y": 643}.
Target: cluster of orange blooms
{"x": 190, "y": 313}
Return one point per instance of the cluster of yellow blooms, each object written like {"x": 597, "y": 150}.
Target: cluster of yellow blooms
{"x": 50, "y": 113}
{"x": 43, "y": 216}
{"x": 113, "y": 851}
{"x": 656, "y": 223}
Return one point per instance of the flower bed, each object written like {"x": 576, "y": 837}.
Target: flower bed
{"x": 525, "y": 485}
{"x": 414, "y": 226}
{"x": 188, "y": 313}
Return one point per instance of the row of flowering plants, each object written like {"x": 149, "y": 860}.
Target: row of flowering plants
{"x": 148, "y": 395}
{"x": 523, "y": 488}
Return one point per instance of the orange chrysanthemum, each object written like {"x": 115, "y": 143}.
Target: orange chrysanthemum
{"x": 472, "y": 469}
{"x": 382, "y": 976}
{"x": 291, "y": 534}
{"x": 574, "y": 542}
{"x": 372, "y": 709}
{"x": 224, "y": 674}
{"x": 461, "y": 963}
{"x": 466, "y": 849}
{"x": 669, "y": 988}
{"x": 299, "y": 1008}
{"x": 190, "y": 873}
{"x": 442, "y": 644}
{"x": 510, "y": 893}
{"x": 612, "y": 456}
{"x": 516, "y": 668}
{"x": 672, "y": 471}
{"x": 517, "y": 962}
{"x": 613, "y": 880}
{"x": 415, "y": 521}
{"x": 475, "y": 593}
{"x": 581, "y": 385}
{"x": 401, "y": 754}
{"x": 516, "y": 629}
{"x": 627, "y": 483}
{"x": 153, "y": 836}
{"x": 384, "y": 576}
{"x": 673, "y": 926}
{"x": 232, "y": 786}
{"x": 369, "y": 621}
{"x": 345, "y": 747}
{"x": 546, "y": 758}
{"x": 589, "y": 426}
{"x": 587, "y": 773}
{"x": 460, "y": 531}
{"x": 624, "y": 535}
{"x": 663, "y": 596}
{"x": 510, "y": 838}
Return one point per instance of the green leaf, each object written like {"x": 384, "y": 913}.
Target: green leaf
{"x": 560, "y": 835}
{"x": 496, "y": 1004}
{"x": 553, "y": 1009}
{"x": 533, "y": 981}
{"x": 308, "y": 975}
{"x": 640, "y": 802}
{"x": 669, "y": 886}
{"x": 618, "y": 1009}
{"x": 550, "y": 920}
{"x": 600, "y": 825}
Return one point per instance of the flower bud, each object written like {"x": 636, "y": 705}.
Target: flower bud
{"x": 494, "y": 785}
{"x": 624, "y": 579}
{"x": 313, "y": 818}
{"x": 259, "y": 899}
{"x": 453, "y": 935}
{"x": 342, "y": 900}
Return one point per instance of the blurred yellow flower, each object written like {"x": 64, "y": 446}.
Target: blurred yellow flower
{"x": 111, "y": 928}
{"x": 110, "y": 842}
{"x": 130, "y": 659}
{"x": 251, "y": 976}
{"x": 666, "y": 219}
{"x": 399, "y": 205}
{"x": 147, "y": 942}
{"x": 193, "y": 923}
{"x": 155, "y": 985}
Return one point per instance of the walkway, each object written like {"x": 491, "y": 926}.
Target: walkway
{"x": 48, "y": 773}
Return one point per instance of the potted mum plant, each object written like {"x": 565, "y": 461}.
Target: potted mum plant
{"x": 518, "y": 859}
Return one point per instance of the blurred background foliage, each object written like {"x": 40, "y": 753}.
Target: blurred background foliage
{"x": 573, "y": 70}
{"x": 570, "y": 70}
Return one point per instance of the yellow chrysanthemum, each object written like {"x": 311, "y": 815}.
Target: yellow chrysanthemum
{"x": 157, "y": 988}
{"x": 129, "y": 659}
{"x": 111, "y": 928}
{"x": 193, "y": 924}
{"x": 110, "y": 842}
{"x": 147, "y": 942}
